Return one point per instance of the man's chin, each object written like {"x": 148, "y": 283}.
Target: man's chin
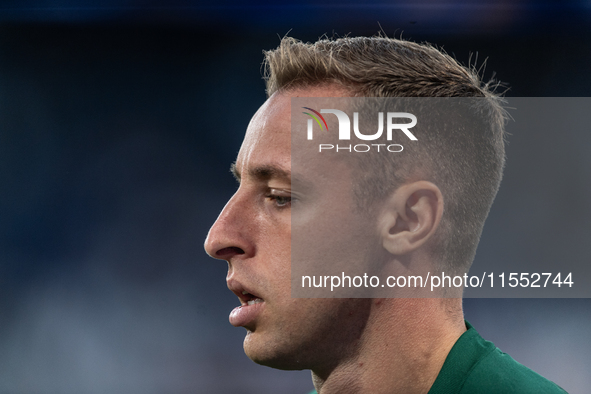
{"x": 265, "y": 352}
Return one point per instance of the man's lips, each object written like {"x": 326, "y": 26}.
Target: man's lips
{"x": 250, "y": 307}
{"x": 244, "y": 315}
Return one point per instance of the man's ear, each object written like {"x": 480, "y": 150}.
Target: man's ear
{"x": 410, "y": 217}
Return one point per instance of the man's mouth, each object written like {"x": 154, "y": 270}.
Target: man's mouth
{"x": 250, "y": 307}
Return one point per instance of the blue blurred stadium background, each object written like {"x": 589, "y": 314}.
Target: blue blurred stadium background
{"x": 118, "y": 122}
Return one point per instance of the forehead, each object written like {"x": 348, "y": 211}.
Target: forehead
{"x": 268, "y": 137}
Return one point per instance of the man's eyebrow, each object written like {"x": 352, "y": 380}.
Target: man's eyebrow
{"x": 263, "y": 173}
{"x": 266, "y": 172}
{"x": 234, "y": 171}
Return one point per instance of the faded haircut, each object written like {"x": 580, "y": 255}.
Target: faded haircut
{"x": 465, "y": 159}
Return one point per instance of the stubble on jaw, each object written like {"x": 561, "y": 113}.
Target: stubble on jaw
{"x": 330, "y": 333}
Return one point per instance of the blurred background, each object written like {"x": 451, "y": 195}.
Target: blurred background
{"x": 118, "y": 123}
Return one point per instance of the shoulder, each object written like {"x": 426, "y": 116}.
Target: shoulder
{"x": 475, "y": 365}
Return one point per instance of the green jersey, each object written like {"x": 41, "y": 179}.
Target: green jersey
{"x": 475, "y": 365}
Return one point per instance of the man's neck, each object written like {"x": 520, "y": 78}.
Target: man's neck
{"x": 403, "y": 348}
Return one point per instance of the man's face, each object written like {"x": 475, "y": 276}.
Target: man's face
{"x": 253, "y": 234}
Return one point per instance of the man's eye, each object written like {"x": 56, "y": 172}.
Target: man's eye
{"x": 280, "y": 201}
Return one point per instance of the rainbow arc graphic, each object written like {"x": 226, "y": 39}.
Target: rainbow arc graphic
{"x": 316, "y": 117}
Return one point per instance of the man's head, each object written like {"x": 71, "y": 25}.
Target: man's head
{"x": 253, "y": 232}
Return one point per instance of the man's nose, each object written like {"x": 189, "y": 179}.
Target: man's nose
{"x": 230, "y": 236}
